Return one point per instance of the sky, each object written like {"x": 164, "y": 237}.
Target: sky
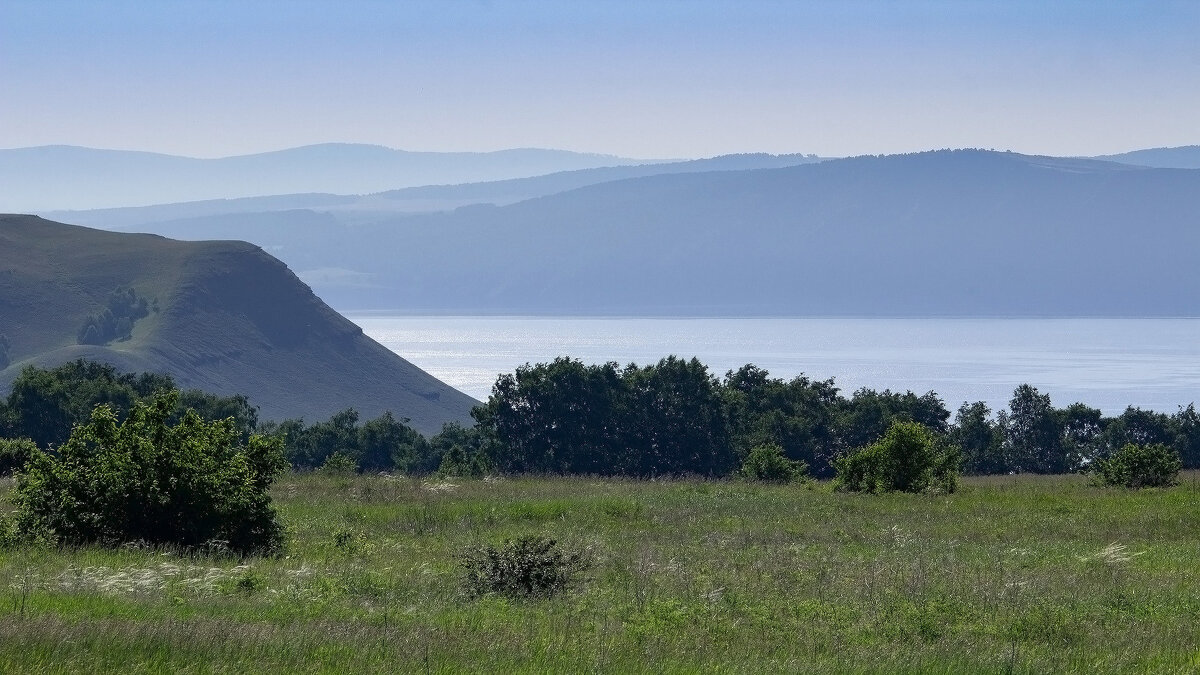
{"x": 636, "y": 78}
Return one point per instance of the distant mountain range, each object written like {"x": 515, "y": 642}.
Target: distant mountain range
{"x": 939, "y": 233}
{"x": 948, "y": 232}
{"x": 67, "y": 177}
{"x": 227, "y": 319}
{"x": 421, "y": 199}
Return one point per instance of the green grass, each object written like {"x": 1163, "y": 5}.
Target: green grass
{"x": 1011, "y": 574}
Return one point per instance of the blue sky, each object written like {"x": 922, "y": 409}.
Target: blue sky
{"x": 644, "y": 78}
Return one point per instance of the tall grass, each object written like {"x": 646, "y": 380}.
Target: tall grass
{"x": 1011, "y": 574}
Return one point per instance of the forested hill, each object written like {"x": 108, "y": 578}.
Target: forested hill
{"x": 1184, "y": 157}
{"x": 938, "y": 233}
{"x": 223, "y": 317}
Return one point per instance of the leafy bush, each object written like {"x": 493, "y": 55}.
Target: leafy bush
{"x": 14, "y": 453}
{"x": 907, "y": 459}
{"x": 191, "y": 484}
{"x": 525, "y": 567}
{"x": 767, "y": 463}
{"x": 339, "y": 464}
{"x": 1138, "y": 466}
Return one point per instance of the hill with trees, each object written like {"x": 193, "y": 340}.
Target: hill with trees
{"x": 220, "y": 316}
{"x": 1182, "y": 157}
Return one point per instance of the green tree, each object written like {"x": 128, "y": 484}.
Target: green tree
{"x": 386, "y": 443}
{"x": 1033, "y": 435}
{"x": 1187, "y": 436}
{"x": 44, "y": 404}
{"x": 1082, "y": 435}
{"x": 189, "y": 484}
{"x": 869, "y": 414}
{"x": 5, "y": 345}
{"x": 979, "y": 439}
{"x": 1139, "y": 427}
{"x": 673, "y": 421}
{"x": 309, "y": 447}
{"x": 558, "y": 417}
{"x": 460, "y": 451}
{"x": 798, "y": 415}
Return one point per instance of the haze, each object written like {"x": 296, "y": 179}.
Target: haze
{"x": 636, "y": 79}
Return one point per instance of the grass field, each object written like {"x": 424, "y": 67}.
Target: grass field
{"x": 1011, "y": 574}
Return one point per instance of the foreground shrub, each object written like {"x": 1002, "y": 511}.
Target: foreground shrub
{"x": 768, "y": 463}
{"x": 339, "y": 464}
{"x": 525, "y": 567}
{"x": 1138, "y": 466}
{"x": 14, "y": 453}
{"x": 192, "y": 484}
{"x": 906, "y": 459}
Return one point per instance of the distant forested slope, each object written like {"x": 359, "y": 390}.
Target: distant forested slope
{"x": 1184, "y": 157}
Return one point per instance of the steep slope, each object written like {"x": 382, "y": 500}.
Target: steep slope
{"x": 230, "y": 319}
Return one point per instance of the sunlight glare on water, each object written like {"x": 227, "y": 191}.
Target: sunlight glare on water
{"x": 1106, "y": 363}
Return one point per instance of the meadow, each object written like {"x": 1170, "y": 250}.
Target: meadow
{"x": 1010, "y": 574}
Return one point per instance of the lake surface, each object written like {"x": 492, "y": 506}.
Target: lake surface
{"x": 1106, "y": 363}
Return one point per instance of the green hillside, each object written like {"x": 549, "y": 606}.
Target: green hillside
{"x": 226, "y": 318}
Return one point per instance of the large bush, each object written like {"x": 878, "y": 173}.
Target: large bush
{"x": 907, "y": 459}
{"x": 1138, "y": 466}
{"x": 190, "y": 484}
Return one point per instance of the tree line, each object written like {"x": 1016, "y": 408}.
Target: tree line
{"x": 676, "y": 417}
{"x": 669, "y": 418}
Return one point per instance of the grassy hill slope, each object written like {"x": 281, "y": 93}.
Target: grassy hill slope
{"x": 231, "y": 319}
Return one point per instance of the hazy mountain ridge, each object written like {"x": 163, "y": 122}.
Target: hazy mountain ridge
{"x": 1183, "y": 157}
{"x": 231, "y": 319}
{"x": 939, "y": 233}
{"x": 68, "y": 177}
{"x": 965, "y": 232}
{"x": 420, "y": 199}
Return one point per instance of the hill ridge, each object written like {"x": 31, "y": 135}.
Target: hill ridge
{"x": 233, "y": 320}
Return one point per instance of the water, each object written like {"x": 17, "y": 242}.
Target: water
{"x": 1106, "y": 363}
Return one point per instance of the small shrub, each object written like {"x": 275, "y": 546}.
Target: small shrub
{"x": 339, "y": 464}
{"x": 1139, "y": 466}
{"x": 187, "y": 484}
{"x": 525, "y": 567}
{"x": 907, "y": 459}
{"x": 15, "y": 453}
{"x": 768, "y": 463}
{"x": 249, "y": 582}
